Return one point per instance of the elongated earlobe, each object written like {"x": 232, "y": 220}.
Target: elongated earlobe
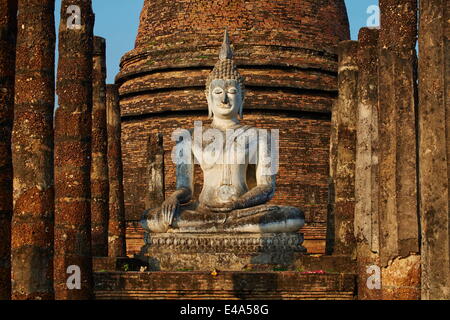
{"x": 241, "y": 110}
{"x": 210, "y": 113}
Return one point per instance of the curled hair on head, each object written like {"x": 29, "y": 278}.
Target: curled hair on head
{"x": 225, "y": 70}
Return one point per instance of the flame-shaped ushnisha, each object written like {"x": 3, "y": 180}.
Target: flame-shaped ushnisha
{"x": 225, "y": 68}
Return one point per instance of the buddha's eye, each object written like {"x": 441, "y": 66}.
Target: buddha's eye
{"x": 218, "y": 91}
{"x": 232, "y": 90}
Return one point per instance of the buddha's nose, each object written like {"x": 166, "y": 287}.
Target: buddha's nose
{"x": 224, "y": 98}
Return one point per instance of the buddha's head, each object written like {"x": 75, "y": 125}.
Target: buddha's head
{"x": 225, "y": 86}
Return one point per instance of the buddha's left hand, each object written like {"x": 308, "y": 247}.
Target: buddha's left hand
{"x": 225, "y": 207}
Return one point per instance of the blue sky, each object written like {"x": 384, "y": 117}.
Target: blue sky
{"x": 118, "y": 20}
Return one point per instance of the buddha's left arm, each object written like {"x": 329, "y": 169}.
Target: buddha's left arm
{"x": 260, "y": 194}
{"x": 265, "y": 179}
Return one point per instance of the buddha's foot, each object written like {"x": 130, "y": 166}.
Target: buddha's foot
{"x": 259, "y": 219}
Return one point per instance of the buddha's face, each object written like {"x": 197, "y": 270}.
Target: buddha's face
{"x": 225, "y": 98}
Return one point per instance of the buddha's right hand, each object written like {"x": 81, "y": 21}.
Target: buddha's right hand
{"x": 168, "y": 210}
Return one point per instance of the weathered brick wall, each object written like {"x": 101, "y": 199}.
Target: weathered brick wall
{"x": 275, "y": 89}
{"x": 264, "y": 32}
{"x": 226, "y": 285}
{"x": 294, "y": 19}
{"x": 286, "y": 50}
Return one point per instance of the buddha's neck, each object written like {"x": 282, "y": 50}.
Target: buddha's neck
{"x": 224, "y": 124}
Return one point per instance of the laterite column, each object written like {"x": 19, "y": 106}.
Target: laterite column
{"x": 344, "y": 175}
{"x": 32, "y": 151}
{"x": 8, "y": 34}
{"x": 116, "y": 233}
{"x": 366, "y": 172}
{"x": 73, "y": 152}
{"x": 398, "y": 204}
{"x": 99, "y": 169}
{"x": 330, "y": 234}
{"x": 434, "y": 147}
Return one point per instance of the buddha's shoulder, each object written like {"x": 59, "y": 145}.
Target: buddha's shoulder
{"x": 248, "y": 128}
{"x": 240, "y": 129}
{"x": 257, "y": 130}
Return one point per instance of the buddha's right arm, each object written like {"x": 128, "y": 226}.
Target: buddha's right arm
{"x": 185, "y": 183}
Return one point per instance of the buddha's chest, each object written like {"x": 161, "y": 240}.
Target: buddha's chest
{"x": 215, "y": 151}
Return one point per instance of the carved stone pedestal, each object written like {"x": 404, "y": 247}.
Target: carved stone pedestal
{"x": 233, "y": 252}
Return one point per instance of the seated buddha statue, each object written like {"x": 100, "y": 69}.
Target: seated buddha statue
{"x": 226, "y": 203}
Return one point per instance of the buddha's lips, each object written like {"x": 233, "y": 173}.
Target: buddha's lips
{"x": 225, "y": 106}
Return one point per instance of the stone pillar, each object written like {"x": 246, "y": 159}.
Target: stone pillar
{"x": 330, "y": 235}
{"x": 344, "y": 175}
{"x": 398, "y": 208}
{"x": 434, "y": 147}
{"x": 116, "y": 230}
{"x": 73, "y": 151}
{"x": 155, "y": 174}
{"x": 99, "y": 168}
{"x": 366, "y": 171}
{"x": 8, "y": 33}
{"x": 32, "y": 152}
